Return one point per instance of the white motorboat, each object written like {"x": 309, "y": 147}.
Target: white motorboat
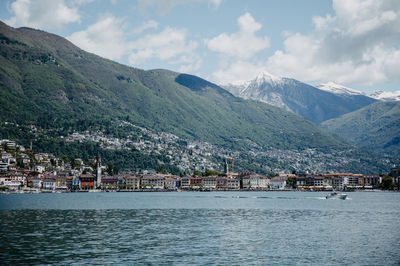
{"x": 335, "y": 195}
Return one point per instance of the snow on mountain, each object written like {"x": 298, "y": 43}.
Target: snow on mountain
{"x": 239, "y": 88}
{"x": 342, "y": 90}
{"x": 386, "y": 95}
{"x": 338, "y": 89}
{"x": 268, "y": 78}
{"x": 315, "y": 104}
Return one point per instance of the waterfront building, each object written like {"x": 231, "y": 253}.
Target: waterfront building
{"x": 150, "y": 181}
{"x": 341, "y": 180}
{"x": 395, "y": 172}
{"x": 12, "y": 184}
{"x": 319, "y": 182}
{"x": 254, "y": 181}
{"x": 369, "y": 181}
{"x": 49, "y": 183}
{"x": 351, "y": 179}
{"x": 278, "y": 182}
{"x": 335, "y": 182}
{"x": 132, "y": 181}
{"x": 233, "y": 183}
{"x": 210, "y": 182}
{"x": 37, "y": 182}
{"x": 75, "y": 183}
{"x": 300, "y": 181}
{"x": 263, "y": 182}
{"x": 185, "y": 182}
{"x": 221, "y": 182}
{"x": 61, "y": 181}
{"x": 309, "y": 180}
{"x": 87, "y": 181}
{"x": 108, "y": 181}
{"x": 18, "y": 176}
{"x": 196, "y": 182}
{"x": 246, "y": 184}
{"x": 171, "y": 183}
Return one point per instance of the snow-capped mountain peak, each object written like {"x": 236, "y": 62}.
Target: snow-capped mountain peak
{"x": 300, "y": 98}
{"x": 386, "y": 95}
{"x": 338, "y": 89}
{"x": 264, "y": 76}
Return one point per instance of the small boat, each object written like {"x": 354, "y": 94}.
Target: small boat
{"x": 335, "y": 195}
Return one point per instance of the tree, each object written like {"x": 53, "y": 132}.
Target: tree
{"x": 73, "y": 164}
{"x": 387, "y": 183}
{"x": 208, "y": 172}
{"x": 291, "y": 182}
{"x": 197, "y": 173}
{"x": 112, "y": 170}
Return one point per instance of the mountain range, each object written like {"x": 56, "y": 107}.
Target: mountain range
{"x": 367, "y": 121}
{"x": 48, "y": 82}
{"x": 375, "y": 127}
{"x": 314, "y": 104}
{"x": 386, "y": 95}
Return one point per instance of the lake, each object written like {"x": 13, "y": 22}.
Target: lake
{"x": 200, "y": 228}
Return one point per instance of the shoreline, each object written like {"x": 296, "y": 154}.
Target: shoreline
{"x": 186, "y": 190}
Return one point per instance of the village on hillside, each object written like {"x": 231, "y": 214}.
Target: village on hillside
{"x": 24, "y": 171}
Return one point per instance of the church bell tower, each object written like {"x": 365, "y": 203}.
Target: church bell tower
{"x": 98, "y": 170}
{"x": 226, "y": 170}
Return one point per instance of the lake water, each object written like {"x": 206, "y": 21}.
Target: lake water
{"x": 181, "y": 228}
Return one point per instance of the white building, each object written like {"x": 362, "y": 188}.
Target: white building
{"x": 263, "y": 182}
{"x": 13, "y": 184}
{"x": 278, "y": 182}
{"x": 233, "y": 183}
{"x": 37, "y": 183}
{"x": 49, "y": 184}
{"x": 210, "y": 182}
{"x": 3, "y": 167}
{"x": 40, "y": 168}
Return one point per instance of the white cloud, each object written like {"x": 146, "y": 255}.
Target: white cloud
{"x": 43, "y": 14}
{"x": 215, "y": 3}
{"x": 237, "y": 71}
{"x": 164, "y": 45}
{"x": 356, "y": 46}
{"x": 189, "y": 64}
{"x": 151, "y": 24}
{"x": 237, "y": 51}
{"x": 105, "y": 38}
{"x": 164, "y": 6}
{"x": 242, "y": 44}
{"x": 108, "y": 38}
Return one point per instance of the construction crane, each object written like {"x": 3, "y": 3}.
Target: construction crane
{"x": 230, "y": 158}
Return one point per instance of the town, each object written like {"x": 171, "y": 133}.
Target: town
{"x": 31, "y": 172}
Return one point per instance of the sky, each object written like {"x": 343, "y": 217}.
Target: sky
{"x": 355, "y": 43}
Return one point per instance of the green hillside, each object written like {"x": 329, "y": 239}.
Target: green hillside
{"x": 375, "y": 127}
{"x": 48, "y": 81}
